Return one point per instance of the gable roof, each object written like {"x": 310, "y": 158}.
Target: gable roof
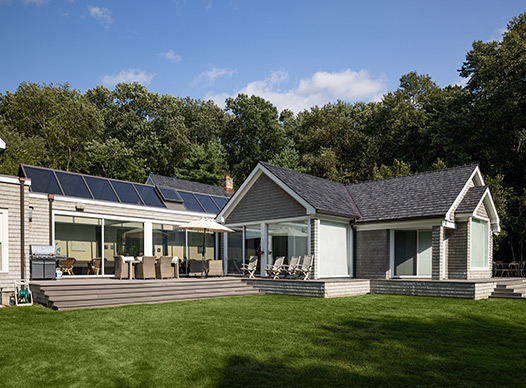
{"x": 471, "y": 200}
{"x": 325, "y": 196}
{"x": 426, "y": 194}
{"x": 184, "y": 185}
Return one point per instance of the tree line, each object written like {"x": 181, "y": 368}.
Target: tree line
{"x": 128, "y": 132}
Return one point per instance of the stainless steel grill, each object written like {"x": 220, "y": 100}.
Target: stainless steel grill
{"x": 42, "y": 261}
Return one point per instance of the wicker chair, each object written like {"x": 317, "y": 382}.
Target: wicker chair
{"x": 214, "y": 268}
{"x": 121, "y": 268}
{"x": 196, "y": 268}
{"x": 163, "y": 268}
{"x": 95, "y": 266}
{"x": 67, "y": 265}
{"x": 146, "y": 268}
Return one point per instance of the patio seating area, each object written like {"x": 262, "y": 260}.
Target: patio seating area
{"x": 512, "y": 269}
{"x": 298, "y": 268}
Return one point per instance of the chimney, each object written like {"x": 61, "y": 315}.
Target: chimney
{"x": 227, "y": 184}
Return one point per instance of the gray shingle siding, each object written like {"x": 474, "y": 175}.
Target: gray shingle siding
{"x": 458, "y": 251}
{"x": 265, "y": 201}
{"x": 372, "y": 254}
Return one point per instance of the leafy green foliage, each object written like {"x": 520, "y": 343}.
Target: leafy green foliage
{"x": 203, "y": 164}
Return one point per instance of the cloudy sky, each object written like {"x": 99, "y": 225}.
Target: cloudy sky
{"x": 294, "y": 53}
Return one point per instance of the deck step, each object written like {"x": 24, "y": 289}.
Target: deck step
{"x": 510, "y": 289}
{"x": 92, "y": 293}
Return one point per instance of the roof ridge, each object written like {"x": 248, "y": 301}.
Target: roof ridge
{"x": 302, "y": 173}
{"x": 415, "y": 174}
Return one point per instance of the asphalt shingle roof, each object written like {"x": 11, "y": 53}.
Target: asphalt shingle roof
{"x": 471, "y": 199}
{"x": 184, "y": 185}
{"x": 420, "y": 195}
{"x": 325, "y": 196}
{"x": 425, "y": 194}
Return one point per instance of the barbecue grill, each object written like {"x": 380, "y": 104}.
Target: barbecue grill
{"x": 43, "y": 261}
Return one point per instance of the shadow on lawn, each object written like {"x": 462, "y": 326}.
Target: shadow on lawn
{"x": 390, "y": 352}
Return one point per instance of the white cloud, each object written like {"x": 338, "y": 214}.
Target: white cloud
{"x": 210, "y": 76}
{"x": 171, "y": 56}
{"x": 128, "y": 76}
{"x": 101, "y": 14}
{"x": 322, "y": 88}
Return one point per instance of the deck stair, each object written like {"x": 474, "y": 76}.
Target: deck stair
{"x": 510, "y": 289}
{"x": 93, "y": 293}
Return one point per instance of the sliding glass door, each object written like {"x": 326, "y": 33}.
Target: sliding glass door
{"x": 412, "y": 253}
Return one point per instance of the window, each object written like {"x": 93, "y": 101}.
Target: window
{"x": 412, "y": 253}
{"x": 287, "y": 239}
{"x": 479, "y": 244}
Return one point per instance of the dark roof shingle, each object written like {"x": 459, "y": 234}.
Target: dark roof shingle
{"x": 420, "y": 195}
{"x": 184, "y": 185}
{"x": 471, "y": 199}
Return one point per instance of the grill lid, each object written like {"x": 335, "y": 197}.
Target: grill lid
{"x": 41, "y": 250}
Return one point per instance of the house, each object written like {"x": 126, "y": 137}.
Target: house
{"x": 437, "y": 225}
{"x": 86, "y": 217}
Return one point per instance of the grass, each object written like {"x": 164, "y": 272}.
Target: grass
{"x": 269, "y": 341}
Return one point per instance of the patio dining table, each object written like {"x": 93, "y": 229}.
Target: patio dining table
{"x": 131, "y": 261}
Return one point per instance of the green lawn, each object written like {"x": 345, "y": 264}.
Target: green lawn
{"x": 269, "y": 341}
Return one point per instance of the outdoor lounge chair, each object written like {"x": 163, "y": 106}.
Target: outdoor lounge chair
{"x": 250, "y": 268}
{"x": 146, "y": 268}
{"x": 274, "y": 270}
{"x": 214, "y": 268}
{"x": 67, "y": 265}
{"x": 163, "y": 268}
{"x": 305, "y": 271}
{"x": 121, "y": 268}
{"x": 290, "y": 269}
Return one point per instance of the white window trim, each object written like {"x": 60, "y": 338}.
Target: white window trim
{"x": 5, "y": 241}
{"x": 392, "y": 254}
{"x": 487, "y": 268}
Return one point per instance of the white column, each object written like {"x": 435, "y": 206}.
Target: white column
{"x": 148, "y": 238}
{"x": 264, "y": 247}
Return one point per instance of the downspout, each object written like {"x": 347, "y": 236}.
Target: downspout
{"x": 22, "y": 229}
{"x": 353, "y": 236}
{"x": 50, "y": 198}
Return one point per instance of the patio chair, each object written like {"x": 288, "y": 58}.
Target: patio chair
{"x": 305, "y": 271}
{"x": 121, "y": 268}
{"x": 67, "y": 265}
{"x": 196, "y": 268}
{"x": 214, "y": 268}
{"x": 95, "y": 266}
{"x": 250, "y": 268}
{"x": 522, "y": 268}
{"x": 274, "y": 270}
{"x": 163, "y": 268}
{"x": 146, "y": 268}
{"x": 290, "y": 269}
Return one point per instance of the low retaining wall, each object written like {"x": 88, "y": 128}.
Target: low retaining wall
{"x": 443, "y": 288}
{"x": 320, "y": 289}
{"x": 330, "y": 288}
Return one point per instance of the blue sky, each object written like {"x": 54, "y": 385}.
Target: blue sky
{"x": 296, "y": 54}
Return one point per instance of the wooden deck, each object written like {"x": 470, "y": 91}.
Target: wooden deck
{"x": 75, "y": 293}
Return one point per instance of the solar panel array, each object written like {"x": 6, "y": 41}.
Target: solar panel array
{"x": 85, "y": 186}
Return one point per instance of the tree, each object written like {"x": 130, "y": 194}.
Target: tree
{"x": 204, "y": 164}
{"x": 253, "y": 133}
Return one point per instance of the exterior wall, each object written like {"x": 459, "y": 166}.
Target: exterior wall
{"x": 314, "y": 246}
{"x": 372, "y": 254}
{"x": 265, "y": 201}
{"x": 481, "y": 211}
{"x": 439, "y": 266}
{"x": 10, "y": 201}
{"x": 458, "y": 252}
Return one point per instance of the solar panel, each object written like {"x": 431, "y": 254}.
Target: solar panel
{"x": 170, "y": 194}
{"x": 126, "y": 192}
{"x": 220, "y": 202}
{"x": 190, "y": 202}
{"x": 101, "y": 189}
{"x": 149, "y": 196}
{"x": 42, "y": 181}
{"x": 73, "y": 185}
{"x": 207, "y": 203}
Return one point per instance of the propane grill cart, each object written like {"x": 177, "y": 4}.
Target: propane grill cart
{"x": 23, "y": 295}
